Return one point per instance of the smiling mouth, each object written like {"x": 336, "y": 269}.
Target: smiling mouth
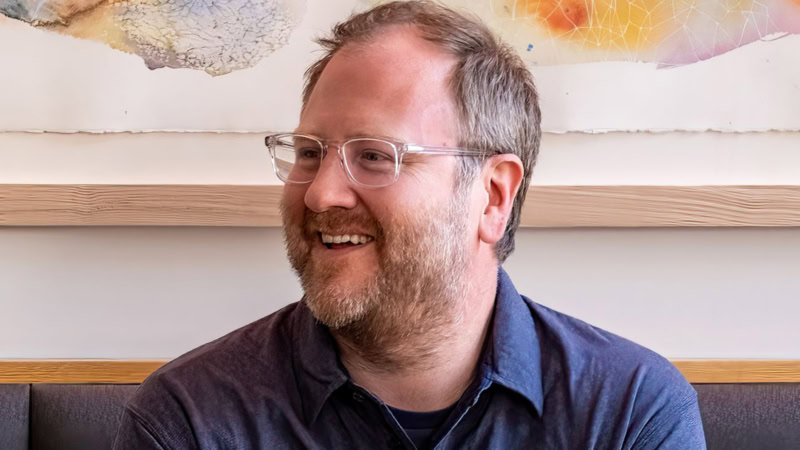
{"x": 342, "y": 241}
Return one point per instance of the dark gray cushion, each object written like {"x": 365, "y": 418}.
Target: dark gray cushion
{"x": 84, "y": 416}
{"x": 14, "y": 416}
{"x": 750, "y": 416}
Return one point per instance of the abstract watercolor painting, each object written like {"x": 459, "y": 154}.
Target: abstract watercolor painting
{"x": 667, "y": 32}
{"x": 216, "y": 36}
{"x": 674, "y": 32}
{"x": 596, "y": 62}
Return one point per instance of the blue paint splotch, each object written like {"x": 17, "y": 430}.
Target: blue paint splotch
{"x": 216, "y": 36}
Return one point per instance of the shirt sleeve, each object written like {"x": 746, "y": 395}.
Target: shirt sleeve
{"x": 675, "y": 426}
{"x": 134, "y": 434}
{"x": 156, "y": 417}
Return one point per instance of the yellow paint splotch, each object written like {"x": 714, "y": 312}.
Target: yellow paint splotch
{"x": 611, "y": 24}
{"x": 97, "y": 24}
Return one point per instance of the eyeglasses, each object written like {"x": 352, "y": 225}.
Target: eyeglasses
{"x": 368, "y": 161}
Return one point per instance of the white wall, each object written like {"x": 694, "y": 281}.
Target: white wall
{"x": 72, "y": 292}
{"x": 241, "y": 158}
{"x": 124, "y": 292}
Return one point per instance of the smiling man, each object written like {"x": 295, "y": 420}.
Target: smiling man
{"x": 404, "y": 184}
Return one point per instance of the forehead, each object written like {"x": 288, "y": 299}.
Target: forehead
{"x": 396, "y": 85}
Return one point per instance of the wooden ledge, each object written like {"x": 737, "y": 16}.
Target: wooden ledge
{"x": 740, "y": 371}
{"x": 77, "y": 371}
{"x": 662, "y": 206}
{"x": 258, "y": 205}
{"x": 132, "y": 371}
{"x": 119, "y": 204}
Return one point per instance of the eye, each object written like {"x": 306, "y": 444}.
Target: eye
{"x": 308, "y": 153}
{"x": 373, "y": 155}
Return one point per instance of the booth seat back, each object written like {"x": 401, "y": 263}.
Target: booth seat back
{"x": 61, "y": 416}
{"x": 14, "y": 415}
{"x": 86, "y": 416}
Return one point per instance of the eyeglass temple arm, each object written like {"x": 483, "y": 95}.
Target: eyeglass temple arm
{"x": 425, "y": 150}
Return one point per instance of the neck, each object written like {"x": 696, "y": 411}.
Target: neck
{"x": 430, "y": 367}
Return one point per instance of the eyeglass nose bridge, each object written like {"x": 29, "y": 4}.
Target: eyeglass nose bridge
{"x": 327, "y": 145}
{"x": 339, "y": 152}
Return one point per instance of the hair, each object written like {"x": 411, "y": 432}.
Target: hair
{"x": 493, "y": 90}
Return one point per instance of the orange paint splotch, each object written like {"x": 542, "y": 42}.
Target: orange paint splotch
{"x": 597, "y": 24}
{"x": 559, "y": 15}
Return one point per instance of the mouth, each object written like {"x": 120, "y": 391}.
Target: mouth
{"x": 344, "y": 241}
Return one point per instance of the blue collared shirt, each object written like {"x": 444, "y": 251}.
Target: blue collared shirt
{"x": 545, "y": 380}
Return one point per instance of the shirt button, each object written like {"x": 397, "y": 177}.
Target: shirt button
{"x": 358, "y": 396}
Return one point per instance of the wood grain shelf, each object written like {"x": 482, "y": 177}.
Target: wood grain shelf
{"x": 662, "y": 206}
{"x": 113, "y": 204}
{"x": 135, "y": 371}
{"x": 76, "y": 371}
{"x": 258, "y": 205}
{"x": 740, "y": 371}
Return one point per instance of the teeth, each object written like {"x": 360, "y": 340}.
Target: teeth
{"x": 344, "y": 238}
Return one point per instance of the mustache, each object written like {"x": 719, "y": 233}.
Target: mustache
{"x": 339, "y": 218}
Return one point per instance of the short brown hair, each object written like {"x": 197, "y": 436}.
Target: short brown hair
{"x": 493, "y": 91}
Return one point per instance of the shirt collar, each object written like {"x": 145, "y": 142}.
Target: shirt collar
{"x": 318, "y": 371}
{"x": 513, "y": 357}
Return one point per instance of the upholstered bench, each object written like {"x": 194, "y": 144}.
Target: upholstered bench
{"x": 61, "y": 416}
{"x": 85, "y": 416}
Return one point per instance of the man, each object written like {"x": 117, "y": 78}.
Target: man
{"x": 404, "y": 184}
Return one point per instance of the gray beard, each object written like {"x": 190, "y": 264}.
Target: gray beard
{"x": 415, "y": 298}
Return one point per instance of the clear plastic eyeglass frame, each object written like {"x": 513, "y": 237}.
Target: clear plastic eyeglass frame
{"x": 399, "y": 148}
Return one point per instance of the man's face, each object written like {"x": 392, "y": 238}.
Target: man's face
{"x": 409, "y": 273}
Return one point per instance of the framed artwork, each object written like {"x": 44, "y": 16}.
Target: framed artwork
{"x": 235, "y": 65}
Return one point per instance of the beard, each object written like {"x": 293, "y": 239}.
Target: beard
{"x": 414, "y": 297}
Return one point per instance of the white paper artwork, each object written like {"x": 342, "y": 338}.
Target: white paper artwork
{"x": 236, "y": 65}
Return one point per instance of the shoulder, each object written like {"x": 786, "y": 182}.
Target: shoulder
{"x": 614, "y": 379}
{"x": 596, "y": 353}
{"x": 197, "y": 384}
{"x": 237, "y": 354}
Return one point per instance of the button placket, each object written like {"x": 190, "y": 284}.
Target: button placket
{"x": 483, "y": 386}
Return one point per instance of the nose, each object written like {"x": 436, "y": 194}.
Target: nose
{"x": 331, "y": 186}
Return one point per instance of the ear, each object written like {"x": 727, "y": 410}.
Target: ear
{"x": 501, "y": 178}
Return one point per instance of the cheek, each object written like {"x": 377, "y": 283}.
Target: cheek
{"x": 478, "y": 201}
{"x": 292, "y": 205}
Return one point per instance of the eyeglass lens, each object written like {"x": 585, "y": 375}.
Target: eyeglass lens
{"x": 372, "y": 162}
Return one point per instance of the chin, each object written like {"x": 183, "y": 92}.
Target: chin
{"x": 339, "y": 303}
